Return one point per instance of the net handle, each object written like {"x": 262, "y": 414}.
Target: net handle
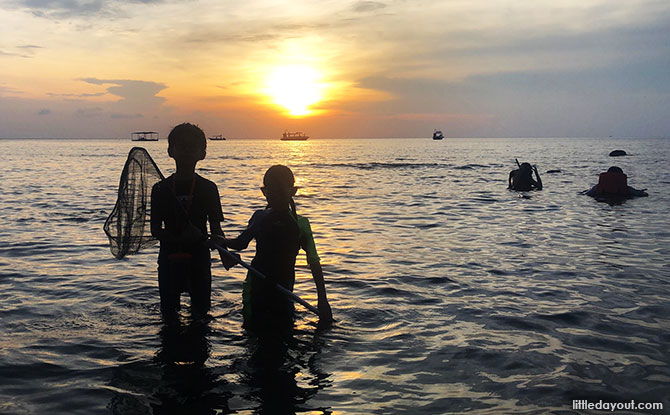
{"x": 290, "y": 294}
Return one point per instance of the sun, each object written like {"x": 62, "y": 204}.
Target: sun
{"x": 295, "y": 88}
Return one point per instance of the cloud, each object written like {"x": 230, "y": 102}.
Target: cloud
{"x": 639, "y": 76}
{"x": 119, "y": 116}
{"x": 483, "y": 91}
{"x": 137, "y": 99}
{"x": 63, "y": 8}
{"x": 559, "y": 47}
{"x": 60, "y": 9}
{"x": 83, "y": 95}
{"x": 625, "y": 99}
{"x": 367, "y": 6}
{"x": 6, "y": 90}
{"x": 259, "y": 31}
{"x": 131, "y": 91}
{"x": 89, "y": 112}
{"x": 28, "y": 117}
{"x": 20, "y": 55}
{"x": 24, "y": 51}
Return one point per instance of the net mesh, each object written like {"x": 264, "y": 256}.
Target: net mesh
{"x": 128, "y": 226}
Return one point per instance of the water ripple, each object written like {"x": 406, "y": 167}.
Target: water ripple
{"x": 452, "y": 294}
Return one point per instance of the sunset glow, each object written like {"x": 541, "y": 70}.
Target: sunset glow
{"x": 295, "y": 88}
{"x": 336, "y": 69}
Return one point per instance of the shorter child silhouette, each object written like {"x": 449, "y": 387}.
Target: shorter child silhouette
{"x": 279, "y": 233}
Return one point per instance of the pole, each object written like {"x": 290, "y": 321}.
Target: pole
{"x": 279, "y": 287}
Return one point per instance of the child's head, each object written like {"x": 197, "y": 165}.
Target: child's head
{"x": 614, "y": 169}
{"x": 278, "y": 186}
{"x": 187, "y": 142}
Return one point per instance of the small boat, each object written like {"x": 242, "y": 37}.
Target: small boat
{"x": 144, "y": 136}
{"x": 437, "y": 135}
{"x": 296, "y": 136}
{"x": 217, "y": 137}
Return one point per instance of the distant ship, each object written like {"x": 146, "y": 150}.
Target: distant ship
{"x": 296, "y": 136}
{"x": 144, "y": 136}
{"x": 217, "y": 137}
{"x": 437, "y": 135}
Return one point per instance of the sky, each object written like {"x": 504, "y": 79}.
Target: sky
{"x": 255, "y": 68}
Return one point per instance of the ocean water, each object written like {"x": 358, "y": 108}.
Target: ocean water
{"x": 451, "y": 293}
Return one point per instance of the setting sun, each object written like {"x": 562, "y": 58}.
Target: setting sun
{"x": 295, "y": 88}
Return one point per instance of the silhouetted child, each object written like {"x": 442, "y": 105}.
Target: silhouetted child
{"x": 279, "y": 234}
{"x": 181, "y": 206}
{"x": 614, "y": 183}
{"x": 522, "y": 178}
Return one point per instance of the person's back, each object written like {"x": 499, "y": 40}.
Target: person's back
{"x": 277, "y": 245}
{"x": 614, "y": 184}
{"x": 181, "y": 207}
{"x": 182, "y": 203}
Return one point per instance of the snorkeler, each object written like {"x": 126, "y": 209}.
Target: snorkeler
{"x": 522, "y": 178}
{"x": 614, "y": 183}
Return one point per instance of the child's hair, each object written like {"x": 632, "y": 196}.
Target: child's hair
{"x": 280, "y": 177}
{"x": 614, "y": 169}
{"x": 189, "y": 133}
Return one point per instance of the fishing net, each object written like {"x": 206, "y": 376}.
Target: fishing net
{"x": 128, "y": 226}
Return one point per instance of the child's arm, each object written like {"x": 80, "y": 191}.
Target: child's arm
{"x": 215, "y": 217}
{"x": 237, "y": 243}
{"x": 635, "y": 192}
{"x": 215, "y": 228}
{"x": 538, "y": 185}
{"x": 325, "y": 312}
{"x": 156, "y": 219}
{"x": 509, "y": 178}
{"x": 592, "y": 191}
{"x": 307, "y": 242}
{"x": 217, "y": 238}
{"x": 243, "y": 240}
{"x": 214, "y": 214}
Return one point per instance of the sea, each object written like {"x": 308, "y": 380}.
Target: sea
{"x": 452, "y": 294}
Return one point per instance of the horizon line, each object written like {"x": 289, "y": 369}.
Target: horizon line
{"x": 356, "y": 138}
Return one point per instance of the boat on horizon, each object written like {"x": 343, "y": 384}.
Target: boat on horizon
{"x": 437, "y": 135}
{"x": 295, "y": 136}
{"x": 144, "y": 136}
{"x": 217, "y": 137}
